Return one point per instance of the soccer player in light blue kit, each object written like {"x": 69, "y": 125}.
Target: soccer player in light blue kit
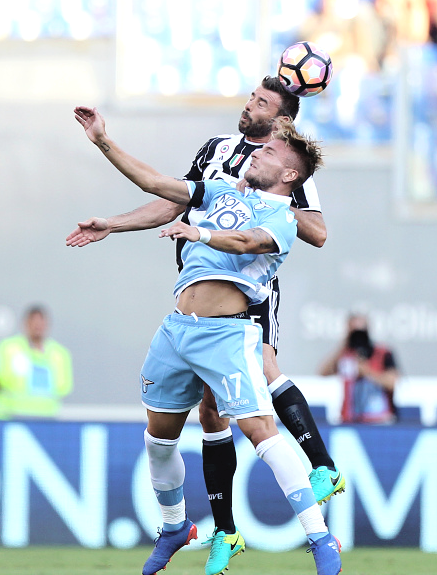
{"x": 210, "y": 336}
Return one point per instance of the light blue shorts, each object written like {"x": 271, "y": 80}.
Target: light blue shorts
{"x": 226, "y": 353}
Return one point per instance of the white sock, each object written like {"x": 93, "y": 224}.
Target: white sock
{"x": 217, "y": 435}
{"x": 293, "y": 480}
{"x": 167, "y": 472}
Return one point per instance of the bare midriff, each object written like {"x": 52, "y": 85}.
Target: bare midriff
{"x": 212, "y": 298}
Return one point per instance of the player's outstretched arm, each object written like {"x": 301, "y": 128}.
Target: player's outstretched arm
{"x": 149, "y": 216}
{"x": 141, "y": 174}
{"x": 253, "y": 241}
{"x": 310, "y": 227}
{"x": 92, "y": 230}
{"x": 152, "y": 215}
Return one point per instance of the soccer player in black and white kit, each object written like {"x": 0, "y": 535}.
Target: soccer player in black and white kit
{"x": 227, "y": 157}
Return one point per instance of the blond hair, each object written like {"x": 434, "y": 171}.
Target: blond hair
{"x": 307, "y": 150}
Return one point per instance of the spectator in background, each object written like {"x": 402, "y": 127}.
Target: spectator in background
{"x": 369, "y": 374}
{"x": 35, "y": 371}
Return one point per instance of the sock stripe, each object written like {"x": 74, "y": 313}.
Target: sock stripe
{"x": 302, "y": 499}
{"x": 171, "y": 497}
{"x": 218, "y": 437}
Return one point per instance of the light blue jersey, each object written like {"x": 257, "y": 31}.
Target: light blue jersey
{"x": 228, "y": 209}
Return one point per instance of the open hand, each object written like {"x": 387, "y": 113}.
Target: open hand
{"x": 92, "y": 230}
{"x": 92, "y": 122}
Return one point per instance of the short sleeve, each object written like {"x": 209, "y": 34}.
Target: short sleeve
{"x": 282, "y": 227}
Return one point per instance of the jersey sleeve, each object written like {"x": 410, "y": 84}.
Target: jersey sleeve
{"x": 306, "y": 197}
{"x": 197, "y": 192}
{"x": 203, "y": 193}
{"x": 282, "y": 227}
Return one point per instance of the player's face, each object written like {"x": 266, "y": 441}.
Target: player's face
{"x": 257, "y": 118}
{"x": 269, "y": 165}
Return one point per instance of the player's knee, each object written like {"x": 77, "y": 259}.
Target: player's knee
{"x": 158, "y": 448}
{"x": 258, "y": 429}
{"x": 271, "y": 369}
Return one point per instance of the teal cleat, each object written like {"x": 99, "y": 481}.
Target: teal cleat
{"x": 326, "y": 483}
{"x": 224, "y": 546}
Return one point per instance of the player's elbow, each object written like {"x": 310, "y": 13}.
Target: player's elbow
{"x": 171, "y": 211}
{"x": 319, "y": 233}
{"x": 320, "y": 239}
{"x": 312, "y": 230}
{"x": 315, "y": 239}
{"x": 249, "y": 242}
{"x": 253, "y": 247}
{"x": 150, "y": 185}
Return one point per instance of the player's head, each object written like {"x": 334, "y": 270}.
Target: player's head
{"x": 304, "y": 153}
{"x": 289, "y": 102}
{"x": 267, "y": 102}
{"x": 285, "y": 162}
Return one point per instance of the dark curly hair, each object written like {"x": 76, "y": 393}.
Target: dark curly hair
{"x": 289, "y": 103}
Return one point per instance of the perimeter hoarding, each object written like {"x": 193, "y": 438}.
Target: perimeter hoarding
{"x": 88, "y": 484}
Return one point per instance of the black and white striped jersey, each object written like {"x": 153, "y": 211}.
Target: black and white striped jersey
{"x": 227, "y": 157}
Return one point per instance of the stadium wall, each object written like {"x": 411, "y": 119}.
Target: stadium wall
{"x": 88, "y": 484}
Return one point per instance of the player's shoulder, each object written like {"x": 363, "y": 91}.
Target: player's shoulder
{"x": 218, "y": 186}
{"x": 220, "y": 144}
{"x": 226, "y": 139}
{"x": 229, "y": 136}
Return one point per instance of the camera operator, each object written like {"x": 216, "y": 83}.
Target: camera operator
{"x": 369, "y": 375}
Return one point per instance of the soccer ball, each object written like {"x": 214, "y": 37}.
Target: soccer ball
{"x": 305, "y": 69}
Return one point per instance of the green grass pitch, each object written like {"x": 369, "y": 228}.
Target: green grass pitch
{"x": 109, "y": 561}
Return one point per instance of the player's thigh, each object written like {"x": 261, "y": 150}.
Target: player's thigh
{"x": 165, "y": 425}
{"x": 168, "y": 381}
{"x": 234, "y": 368}
{"x": 271, "y": 368}
{"x": 209, "y": 418}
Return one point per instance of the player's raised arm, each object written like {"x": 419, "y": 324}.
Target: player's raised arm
{"x": 141, "y": 174}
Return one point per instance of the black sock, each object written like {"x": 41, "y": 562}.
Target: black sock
{"x": 219, "y": 465}
{"x": 294, "y": 412}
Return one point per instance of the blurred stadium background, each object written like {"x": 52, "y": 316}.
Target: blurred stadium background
{"x": 167, "y": 75}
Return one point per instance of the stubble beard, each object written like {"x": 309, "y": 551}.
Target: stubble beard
{"x": 259, "y": 183}
{"x": 259, "y": 129}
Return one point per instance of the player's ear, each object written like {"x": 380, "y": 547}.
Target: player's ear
{"x": 285, "y": 118}
{"x": 290, "y": 175}
{"x": 277, "y": 121}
